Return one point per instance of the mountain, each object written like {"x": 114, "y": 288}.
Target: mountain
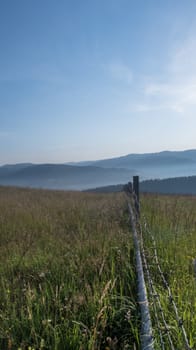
{"x": 9, "y": 169}
{"x": 60, "y": 176}
{"x": 152, "y": 165}
{"x": 91, "y": 174}
{"x": 179, "y": 185}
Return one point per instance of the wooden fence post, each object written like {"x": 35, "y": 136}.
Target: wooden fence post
{"x": 136, "y": 192}
{"x": 146, "y": 335}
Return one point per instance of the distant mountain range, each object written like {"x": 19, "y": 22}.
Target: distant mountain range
{"x": 60, "y": 176}
{"x": 91, "y": 174}
{"x": 152, "y": 165}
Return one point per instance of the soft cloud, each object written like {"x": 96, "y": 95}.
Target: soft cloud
{"x": 177, "y": 90}
{"x": 142, "y": 107}
{"x": 183, "y": 57}
{"x": 174, "y": 90}
{"x": 175, "y": 96}
{"x": 121, "y": 72}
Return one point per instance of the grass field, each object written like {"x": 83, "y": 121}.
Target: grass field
{"x": 172, "y": 222}
{"x": 66, "y": 278}
{"x": 67, "y": 269}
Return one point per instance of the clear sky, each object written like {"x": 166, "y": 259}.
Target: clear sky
{"x": 91, "y": 79}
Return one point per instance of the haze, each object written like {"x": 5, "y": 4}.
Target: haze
{"x": 92, "y": 79}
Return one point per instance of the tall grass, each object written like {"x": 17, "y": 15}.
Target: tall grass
{"x": 67, "y": 272}
{"x": 172, "y": 221}
{"x": 67, "y": 275}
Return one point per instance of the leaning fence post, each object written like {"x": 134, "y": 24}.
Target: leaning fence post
{"x": 146, "y": 335}
{"x": 136, "y": 193}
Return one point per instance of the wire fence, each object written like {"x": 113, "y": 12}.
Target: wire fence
{"x": 146, "y": 327}
{"x": 167, "y": 288}
{"x": 162, "y": 332}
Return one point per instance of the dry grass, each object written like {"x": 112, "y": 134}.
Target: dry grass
{"x": 66, "y": 279}
{"x": 67, "y": 269}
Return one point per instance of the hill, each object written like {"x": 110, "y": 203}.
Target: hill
{"x": 153, "y": 165}
{"x": 179, "y": 185}
{"x": 60, "y": 176}
{"x": 85, "y": 175}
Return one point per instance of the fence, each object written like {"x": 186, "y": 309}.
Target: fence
{"x": 144, "y": 272}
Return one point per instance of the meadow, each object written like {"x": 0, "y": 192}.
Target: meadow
{"x": 170, "y": 223}
{"x": 68, "y": 271}
{"x": 66, "y": 277}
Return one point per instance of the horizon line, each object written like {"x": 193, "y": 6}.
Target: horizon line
{"x": 94, "y": 160}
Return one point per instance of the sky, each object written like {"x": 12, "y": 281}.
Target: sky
{"x": 93, "y": 79}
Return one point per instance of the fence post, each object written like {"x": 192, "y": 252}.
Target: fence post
{"x": 130, "y": 187}
{"x": 136, "y": 192}
{"x": 146, "y": 326}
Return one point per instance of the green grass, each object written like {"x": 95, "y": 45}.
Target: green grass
{"x": 67, "y": 269}
{"x": 66, "y": 278}
{"x": 172, "y": 221}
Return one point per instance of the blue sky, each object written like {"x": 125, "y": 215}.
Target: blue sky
{"x": 92, "y": 79}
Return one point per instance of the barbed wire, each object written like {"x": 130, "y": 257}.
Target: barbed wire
{"x": 167, "y": 287}
{"x": 156, "y": 299}
{"x": 152, "y": 289}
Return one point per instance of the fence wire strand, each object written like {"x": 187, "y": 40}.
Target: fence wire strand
{"x": 156, "y": 301}
{"x": 157, "y": 307}
{"x": 167, "y": 287}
